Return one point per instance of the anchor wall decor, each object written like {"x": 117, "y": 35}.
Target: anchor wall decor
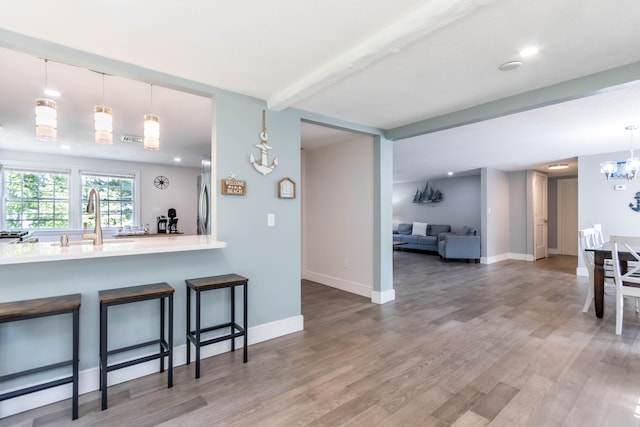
{"x": 263, "y": 166}
{"x": 636, "y": 207}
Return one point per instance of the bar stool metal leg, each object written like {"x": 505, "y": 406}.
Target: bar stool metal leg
{"x": 170, "y": 374}
{"x": 233, "y": 317}
{"x": 197, "y": 334}
{"x": 244, "y": 321}
{"x": 76, "y": 359}
{"x": 103, "y": 352}
{"x": 188, "y": 326}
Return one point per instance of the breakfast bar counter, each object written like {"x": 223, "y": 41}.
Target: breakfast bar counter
{"x": 52, "y": 251}
{"x": 45, "y": 269}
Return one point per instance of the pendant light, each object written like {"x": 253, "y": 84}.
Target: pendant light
{"x": 46, "y": 115}
{"x": 151, "y": 129}
{"x": 632, "y": 166}
{"x": 103, "y": 121}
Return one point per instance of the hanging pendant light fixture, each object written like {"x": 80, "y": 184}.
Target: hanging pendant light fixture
{"x": 46, "y": 115}
{"x": 103, "y": 121}
{"x": 151, "y": 129}
{"x": 631, "y": 166}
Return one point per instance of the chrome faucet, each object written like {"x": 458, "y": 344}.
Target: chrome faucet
{"x": 94, "y": 206}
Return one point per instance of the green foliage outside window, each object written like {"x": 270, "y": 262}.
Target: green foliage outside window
{"x": 116, "y": 200}
{"x": 36, "y": 200}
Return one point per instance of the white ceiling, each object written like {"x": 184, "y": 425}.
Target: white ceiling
{"x": 379, "y": 63}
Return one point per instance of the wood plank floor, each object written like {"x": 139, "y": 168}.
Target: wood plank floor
{"x": 463, "y": 344}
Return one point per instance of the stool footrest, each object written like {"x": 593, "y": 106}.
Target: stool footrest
{"x": 36, "y": 370}
{"x": 137, "y": 361}
{"x": 136, "y": 346}
{"x": 34, "y": 388}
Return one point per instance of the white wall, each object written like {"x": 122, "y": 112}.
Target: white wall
{"x": 180, "y": 195}
{"x": 337, "y": 222}
{"x": 460, "y": 205}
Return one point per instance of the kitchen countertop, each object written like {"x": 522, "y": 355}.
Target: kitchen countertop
{"x": 52, "y": 251}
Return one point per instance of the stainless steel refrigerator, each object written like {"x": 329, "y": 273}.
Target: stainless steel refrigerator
{"x": 204, "y": 199}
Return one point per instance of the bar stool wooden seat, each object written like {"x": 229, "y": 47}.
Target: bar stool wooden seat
{"x": 111, "y": 297}
{"x": 203, "y": 284}
{"x": 41, "y": 307}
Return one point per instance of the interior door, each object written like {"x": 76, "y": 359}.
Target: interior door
{"x": 540, "y": 215}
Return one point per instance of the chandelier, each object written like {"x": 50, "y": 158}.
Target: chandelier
{"x": 631, "y": 166}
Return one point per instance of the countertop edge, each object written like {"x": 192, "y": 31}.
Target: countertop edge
{"x": 47, "y": 252}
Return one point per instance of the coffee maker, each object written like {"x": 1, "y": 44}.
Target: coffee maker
{"x": 169, "y": 223}
{"x": 173, "y": 221}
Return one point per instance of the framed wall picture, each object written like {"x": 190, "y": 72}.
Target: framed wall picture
{"x": 286, "y": 189}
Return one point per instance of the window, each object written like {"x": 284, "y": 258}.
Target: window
{"x": 36, "y": 199}
{"x": 116, "y": 199}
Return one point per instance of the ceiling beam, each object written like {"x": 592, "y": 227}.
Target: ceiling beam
{"x": 427, "y": 19}
{"x": 613, "y": 79}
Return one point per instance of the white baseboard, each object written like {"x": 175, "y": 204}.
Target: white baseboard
{"x": 88, "y": 379}
{"x": 383, "y": 297}
{"x": 553, "y": 251}
{"x": 506, "y": 256}
{"x": 343, "y": 285}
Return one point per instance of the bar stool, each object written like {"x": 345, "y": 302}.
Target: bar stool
{"x": 41, "y": 307}
{"x": 200, "y": 285}
{"x": 111, "y": 297}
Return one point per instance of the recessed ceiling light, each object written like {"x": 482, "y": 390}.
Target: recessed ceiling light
{"x": 65, "y": 147}
{"x": 527, "y": 52}
{"x": 177, "y": 159}
{"x": 450, "y": 173}
{"x": 52, "y": 92}
{"x": 510, "y": 65}
{"x": 558, "y": 166}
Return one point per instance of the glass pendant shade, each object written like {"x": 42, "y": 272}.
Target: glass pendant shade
{"x": 608, "y": 168}
{"x": 151, "y": 132}
{"x": 46, "y": 120}
{"x": 632, "y": 167}
{"x": 103, "y": 124}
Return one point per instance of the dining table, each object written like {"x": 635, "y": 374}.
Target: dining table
{"x": 600, "y": 254}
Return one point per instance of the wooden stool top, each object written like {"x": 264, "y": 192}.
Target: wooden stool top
{"x": 39, "y": 306}
{"x": 134, "y": 293}
{"x": 213, "y": 282}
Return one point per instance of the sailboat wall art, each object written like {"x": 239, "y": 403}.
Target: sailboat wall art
{"x": 428, "y": 195}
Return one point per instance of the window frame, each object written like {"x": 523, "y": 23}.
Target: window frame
{"x": 75, "y": 193}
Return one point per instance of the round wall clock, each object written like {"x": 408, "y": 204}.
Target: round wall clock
{"x": 161, "y": 182}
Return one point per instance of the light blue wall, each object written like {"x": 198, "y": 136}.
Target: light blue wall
{"x": 461, "y": 204}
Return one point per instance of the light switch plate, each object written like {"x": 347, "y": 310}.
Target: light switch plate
{"x": 619, "y": 187}
{"x": 271, "y": 220}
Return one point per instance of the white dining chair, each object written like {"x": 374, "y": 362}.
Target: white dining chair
{"x": 628, "y": 282}
{"x": 587, "y": 238}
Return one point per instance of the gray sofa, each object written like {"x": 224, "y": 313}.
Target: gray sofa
{"x": 456, "y": 243}
{"x": 422, "y": 243}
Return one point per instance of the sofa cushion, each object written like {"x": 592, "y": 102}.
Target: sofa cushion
{"x": 419, "y": 229}
{"x": 435, "y": 229}
{"x": 408, "y": 239}
{"x": 428, "y": 240}
{"x": 404, "y": 228}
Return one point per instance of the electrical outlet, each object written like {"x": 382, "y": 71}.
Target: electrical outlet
{"x": 271, "y": 220}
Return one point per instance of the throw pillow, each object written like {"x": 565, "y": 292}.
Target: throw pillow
{"x": 419, "y": 229}
{"x": 404, "y": 229}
